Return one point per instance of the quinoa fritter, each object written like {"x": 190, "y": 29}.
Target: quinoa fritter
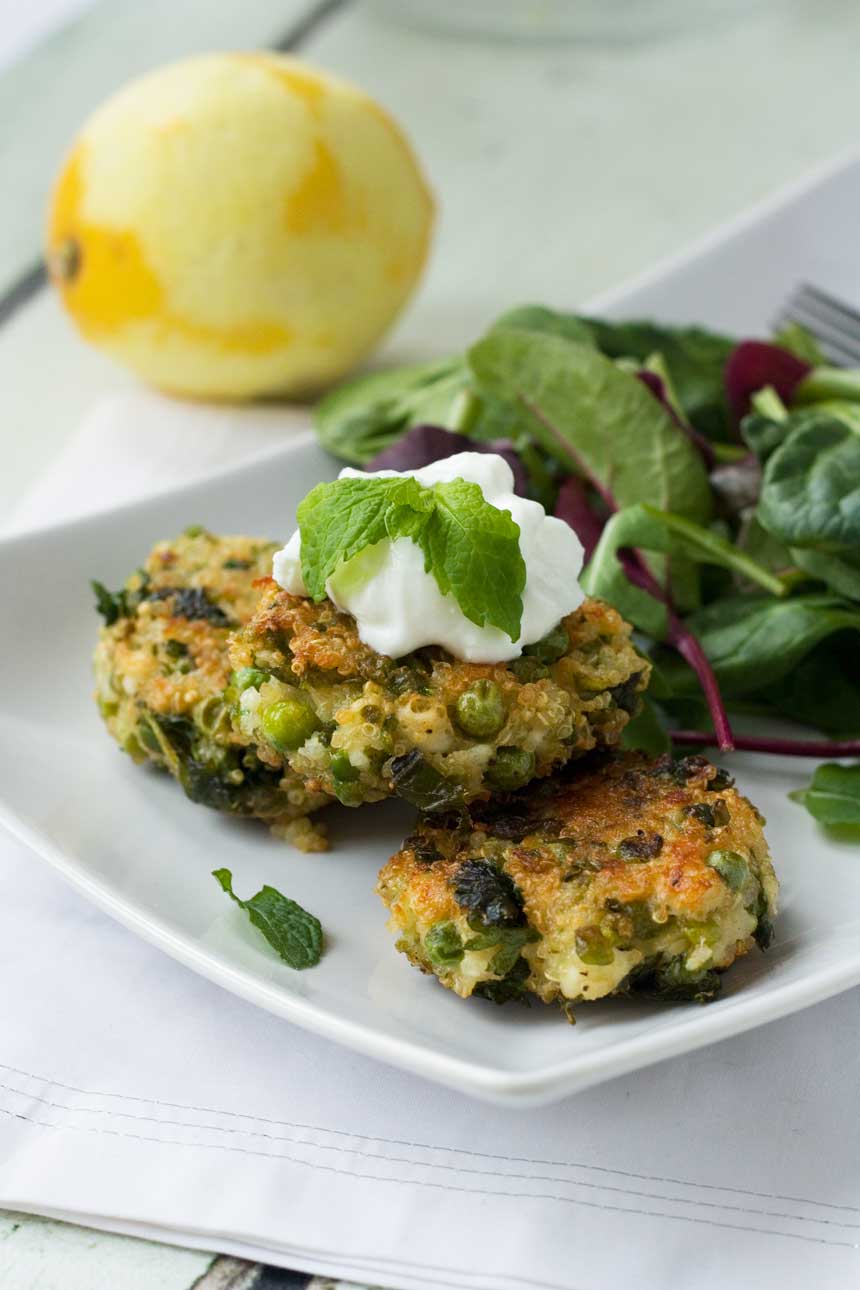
{"x": 163, "y": 678}
{"x": 627, "y": 875}
{"x": 428, "y": 727}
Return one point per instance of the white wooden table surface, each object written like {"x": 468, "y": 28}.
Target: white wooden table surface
{"x": 561, "y": 168}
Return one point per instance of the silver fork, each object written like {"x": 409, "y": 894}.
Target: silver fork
{"x": 835, "y": 325}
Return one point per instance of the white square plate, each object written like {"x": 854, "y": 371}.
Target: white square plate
{"x": 130, "y": 841}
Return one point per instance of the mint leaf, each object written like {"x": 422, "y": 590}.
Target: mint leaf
{"x": 833, "y": 797}
{"x": 295, "y": 934}
{"x": 471, "y": 547}
{"x": 473, "y": 551}
{"x": 339, "y": 519}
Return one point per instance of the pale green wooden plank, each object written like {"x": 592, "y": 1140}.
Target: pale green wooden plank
{"x": 39, "y": 1254}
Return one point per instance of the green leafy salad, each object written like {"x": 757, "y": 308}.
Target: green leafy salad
{"x": 715, "y": 486}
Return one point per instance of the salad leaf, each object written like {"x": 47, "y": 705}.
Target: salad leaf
{"x": 645, "y": 527}
{"x": 736, "y": 486}
{"x": 833, "y": 796}
{"x": 810, "y": 494}
{"x": 360, "y": 419}
{"x": 824, "y": 384}
{"x": 539, "y": 318}
{"x": 754, "y": 641}
{"x": 296, "y": 935}
{"x": 597, "y": 419}
{"x": 573, "y": 506}
{"x": 770, "y": 424}
{"x": 645, "y": 732}
{"x": 755, "y": 364}
{"x": 840, "y": 573}
{"x": 425, "y": 444}
{"x": 688, "y": 360}
{"x": 655, "y": 377}
{"x": 799, "y": 340}
{"x": 823, "y": 691}
{"x": 471, "y": 548}
{"x": 763, "y": 434}
{"x": 694, "y": 356}
{"x": 762, "y": 547}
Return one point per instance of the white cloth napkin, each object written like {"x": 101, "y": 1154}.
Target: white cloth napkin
{"x": 137, "y": 1097}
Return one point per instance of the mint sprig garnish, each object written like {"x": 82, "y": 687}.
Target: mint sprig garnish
{"x": 292, "y": 931}
{"x": 470, "y": 547}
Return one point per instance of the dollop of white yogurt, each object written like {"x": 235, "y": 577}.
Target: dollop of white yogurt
{"x": 398, "y": 607}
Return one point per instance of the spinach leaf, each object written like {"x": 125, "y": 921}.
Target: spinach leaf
{"x": 769, "y": 424}
{"x": 110, "y": 604}
{"x": 810, "y": 494}
{"x": 292, "y": 931}
{"x": 754, "y": 641}
{"x": 840, "y": 573}
{"x": 833, "y": 796}
{"x": 763, "y": 434}
{"x": 488, "y": 894}
{"x": 113, "y": 605}
{"x": 763, "y": 547}
{"x": 358, "y": 420}
{"x": 421, "y": 784}
{"x": 193, "y": 603}
{"x": 672, "y": 981}
{"x": 646, "y": 732}
{"x": 595, "y": 418}
{"x": 511, "y": 987}
{"x": 823, "y": 691}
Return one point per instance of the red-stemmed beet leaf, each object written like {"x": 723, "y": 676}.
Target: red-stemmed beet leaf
{"x": 424, "y": 444}
{"x": 754, "y": 364}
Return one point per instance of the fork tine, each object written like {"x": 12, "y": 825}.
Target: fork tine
{"x": 833, "y": 345}
{"x": 838, "y": 308}
{"x": 834, "y": 324}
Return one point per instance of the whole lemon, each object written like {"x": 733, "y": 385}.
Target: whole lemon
{"x": 237, "y": 225}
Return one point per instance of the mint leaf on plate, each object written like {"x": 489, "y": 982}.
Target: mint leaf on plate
{"x": 295, "y": 934}
{"x": 833, "y": 796}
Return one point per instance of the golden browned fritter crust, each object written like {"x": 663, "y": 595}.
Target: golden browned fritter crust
{"x": 621, "y": 873}
{"x": 164, "y": 684}
{"x": 370, "y": 726}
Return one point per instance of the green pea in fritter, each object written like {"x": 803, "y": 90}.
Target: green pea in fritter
{"x": 428, "y": 727}
{"x": 164, "y": 685}
{"x": 619, "y": 875}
